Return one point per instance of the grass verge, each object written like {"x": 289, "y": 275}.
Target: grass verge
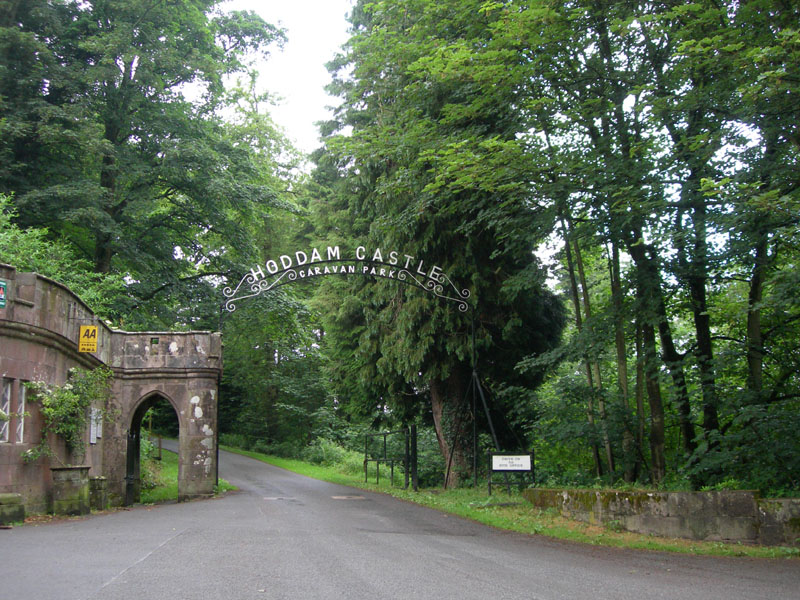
{"x": 513, "y": 513}
{"x": 166, "y": 480}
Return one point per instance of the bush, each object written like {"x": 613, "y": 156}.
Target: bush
{"x": 324, "y": 452}
{"x": 430, "y": 463}
{"x": 65, "y": 410}
{"x": 234, "y": 440}
{"x": 353, "y": 463}
{"x": 280, "y": 449}
{"x": 149, "y": 467}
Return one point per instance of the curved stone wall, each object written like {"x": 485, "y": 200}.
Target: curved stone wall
{"x": 39, "y": 329}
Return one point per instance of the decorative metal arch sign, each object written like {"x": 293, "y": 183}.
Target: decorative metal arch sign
{"x": 375, "y": 263}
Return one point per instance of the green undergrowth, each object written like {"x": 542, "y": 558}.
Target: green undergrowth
{"x": 512, "y": 513}
{"x": 160, "y": 480}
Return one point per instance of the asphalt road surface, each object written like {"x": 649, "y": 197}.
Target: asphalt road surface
{"x": 285, "y": 536}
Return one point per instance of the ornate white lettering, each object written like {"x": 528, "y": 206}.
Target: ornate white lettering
{"x": 315, "y": 256}
{"x": 333, "y": 253}
{"x": 435, "y": 272}
{"x": 302, "y": 257}
{"x": 419, "y": 269}
{"x": 257, "y": 274}
{"x": 272, "y": 267}
{"x": 392, "y": 258}
{"x": 361, "y": 252}
{"x": 408, "y": 260}
{"x": 377, "y": 256}
{"x": 286, "y": 261}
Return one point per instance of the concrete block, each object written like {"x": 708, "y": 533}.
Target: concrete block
{"x": 11, "y": 509}
{"x": 738, "y": 503}
{"x": 70, "y": 490}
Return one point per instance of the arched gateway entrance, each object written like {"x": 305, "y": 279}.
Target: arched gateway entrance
{"x": 184, "y": 370}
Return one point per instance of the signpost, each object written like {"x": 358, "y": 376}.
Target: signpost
{"x": 2, "y": 293}
{"x": 510, "y": 463}
{"x": 513, "y": 463}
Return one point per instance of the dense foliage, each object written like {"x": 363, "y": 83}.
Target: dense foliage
{"x": 110, "y": 137}
{"x": 401, "y": 351}
{"x": 32, "y": 249}
{"x": 648, "y": 152}
{"x": 658, "y": 143}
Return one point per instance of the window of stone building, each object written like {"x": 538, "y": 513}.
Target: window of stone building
{"x": 23, "y": 393}
{"x": 5, "y": 409}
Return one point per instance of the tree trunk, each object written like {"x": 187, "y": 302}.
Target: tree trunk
{"x": 755, "y": 341}
{"x": 108, "y": 181}
{"x": 595, "y": 381}
{"x": 640, "y": 387}
{"x": 629, "y": 450}
{"x": 658, "y": 463}
{"x": 451, "y": 422}
{"x": 651, "y": 296}
{"x": 755, "y": 338}
{"x": 696, "y": 271}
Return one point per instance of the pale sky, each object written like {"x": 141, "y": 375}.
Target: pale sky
{"x": 316, "y": 29}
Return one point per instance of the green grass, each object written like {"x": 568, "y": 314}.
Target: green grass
{"x": 166, "y": 475}
{"x": 513, "y": 513}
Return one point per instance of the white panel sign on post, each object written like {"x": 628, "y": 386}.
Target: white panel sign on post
{"x": 511, "y": 463}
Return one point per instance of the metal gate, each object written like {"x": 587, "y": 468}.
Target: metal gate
{"x": 408, "y": 458}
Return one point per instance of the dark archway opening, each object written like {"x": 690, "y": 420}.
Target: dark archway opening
{"x": 154, "y": 417}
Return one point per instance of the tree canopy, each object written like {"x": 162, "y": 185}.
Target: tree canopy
{"x": 111, "y": 138}
{"x": 384, "y": 190}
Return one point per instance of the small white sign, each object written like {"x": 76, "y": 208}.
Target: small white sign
{"x": 520, "y": 462}
{"x": 95, "y": 425}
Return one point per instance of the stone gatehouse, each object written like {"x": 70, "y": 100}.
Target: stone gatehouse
{"x": 40, "y": 321}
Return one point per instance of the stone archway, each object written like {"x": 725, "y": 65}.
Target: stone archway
{"x": 184, "y": 369}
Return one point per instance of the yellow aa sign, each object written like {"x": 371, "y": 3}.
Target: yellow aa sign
{"x": 88, "y": 338}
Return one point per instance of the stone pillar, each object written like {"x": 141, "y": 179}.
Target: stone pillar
{"x": 197, "y": 475}
{"x": 98, "y": 493}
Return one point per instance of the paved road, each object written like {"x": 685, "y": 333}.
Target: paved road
{"x": 284, "y": 536}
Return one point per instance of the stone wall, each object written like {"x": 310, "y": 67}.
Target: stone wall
{"x": 39, "y": 330}
{"x": 728, "y": 516}
{"x": 38, "y": 342}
